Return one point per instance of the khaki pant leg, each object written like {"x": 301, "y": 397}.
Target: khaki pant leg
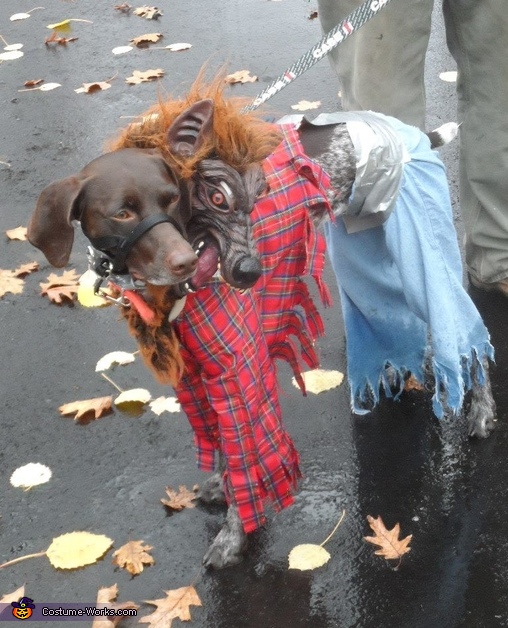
{"x": 477, "y": 34}
{"x": 381, "y": 66}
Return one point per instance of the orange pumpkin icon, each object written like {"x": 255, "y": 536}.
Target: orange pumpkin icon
{"x": 23, "y": 609}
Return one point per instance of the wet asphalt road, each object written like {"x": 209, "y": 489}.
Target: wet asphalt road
{"x": 108, "y": 476}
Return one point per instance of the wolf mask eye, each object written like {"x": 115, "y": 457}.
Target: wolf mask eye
{"x": 219, "y": 197}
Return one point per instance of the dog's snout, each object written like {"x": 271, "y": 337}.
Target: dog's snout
{"x": 247, "y": 271}
{"x": 182, "y": 263}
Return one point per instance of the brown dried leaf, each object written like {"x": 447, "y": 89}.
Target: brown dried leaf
{"x": 312, "y": 15}
{"x": 142, "y": 77}
{"x": 392, "y": 548}
{"x": 179, "y": 500}
{"x": 87, "y": 410}
{"x": 145, "y": 40}
{"x": 19, "y": 233}
{"x": 33, "y": 82}
{"x": 107, "y": 595}
{"x": 305, "y": 105}
{"x": 10, "y": 283}
{"x": 91, "y": 88}
{"x": 61, "y": 287}
{"x": 124, "y": 8}
{"x": 242, "y": 76}
{"x": 132, "y": 556}
{"x": 149, "y": 13}
{"x": 175, "y": 605}
{"x": 26, "y": 269}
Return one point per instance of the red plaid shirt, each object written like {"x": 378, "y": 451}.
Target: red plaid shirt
{"x": 229, "y": 340}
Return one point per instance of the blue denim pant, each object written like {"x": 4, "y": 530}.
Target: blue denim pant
{"x": 401, "y": 288}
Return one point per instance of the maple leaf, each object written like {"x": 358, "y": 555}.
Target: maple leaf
{"x": 179, "y": 500}
{"x": 392, "y": 548}
{"x": 61, "y": 287}
{"x": 19, "y": 233}
{"x": 107, "y": 595}
{"x": 10, "y": 283}
{"x": 149, "y": 13}
{"x": 88, "y": 409}
{"x": 132, "y": 556}
{"x": 242, "y": 76}
{"x": 174, "y": 606}
{"x": 145, "y": 40}
{"x": 26, "y": 269}
{"x": 142, "y": 77}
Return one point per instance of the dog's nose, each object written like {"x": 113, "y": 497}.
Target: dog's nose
{"x": 247, "y": 271}
{"x": 182, "y": 263}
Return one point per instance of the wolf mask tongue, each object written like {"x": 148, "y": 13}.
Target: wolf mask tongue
{"x": 207, "y": 265}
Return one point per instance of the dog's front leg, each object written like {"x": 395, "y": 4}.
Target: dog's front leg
{"x": 482, "y": 412}
{"x": 212, "y": 490}
{"x": 229, "y": 545}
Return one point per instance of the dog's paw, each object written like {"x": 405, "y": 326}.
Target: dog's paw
{"x": 229, "y": 545}
{"x": 212, "y": 490}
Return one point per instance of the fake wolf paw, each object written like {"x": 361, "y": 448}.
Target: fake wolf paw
{"x": 212, "y": 490}
{"x": 229, "y": 545}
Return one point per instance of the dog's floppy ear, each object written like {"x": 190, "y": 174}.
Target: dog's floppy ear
{"x": 190, "y": 129}
{"x": 50, "y": 228}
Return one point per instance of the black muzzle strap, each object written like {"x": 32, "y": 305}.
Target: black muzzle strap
{"x": 117, "y": 248}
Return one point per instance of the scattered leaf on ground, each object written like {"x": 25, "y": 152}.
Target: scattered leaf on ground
{"x": 77, "y": 549}
{"x": 124, "y": 7}
{"x": 312, "y": 15}
{"x": 120, "y": 50}
{"x": 10, "y": 283}
{"x": 61, "y": 41}
{"x": 133, "y": 400}
{"x": 149, "y": 13}
{"x": 13, "y": 47}
{"x": 174, "y": 606}
{"x": 305, "y": 105}
{"x": 242, "y": 76}
{"x": 65, "y": 26}
{"x": 26, "y": 269}
{"x": 308, "y": 556}
{"x": 14, "y": 596}
{"x": 392, "y": 548}
{"x": 142, "y": 77}
{"x": 10, "y": 55}
{"x": 449, "y": 77}
{"x": 57, "y": 288}
{"x": 18, "y": 233}
{"x": 108, "y": 595}
{"x": 179, "y": 500}
{"x": 178, "y": 47}
{"x": 87, "y": 410}
{"x": 320, "y": 380}
{"x": 145, "y": 40}
{"x": 33, "y": 82}
{"x": 113, "y": 358}
{"x": 31, "y": 474}
{"x": 133, "y": 556}
{"x": 165, "y": 404}
{"x": 91, "y": 88}
{"x": 47, "y": 87}
{"x": 23, "y": 16}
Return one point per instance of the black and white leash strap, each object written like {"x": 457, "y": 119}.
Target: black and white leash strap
{"x": 360, "y": 16}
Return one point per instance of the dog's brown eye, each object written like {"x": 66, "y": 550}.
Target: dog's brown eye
{"x": 123, "y": 214}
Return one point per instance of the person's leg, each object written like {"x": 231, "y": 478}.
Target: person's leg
{"x": 381, "y": 66}
{"x": 477, "y": 36}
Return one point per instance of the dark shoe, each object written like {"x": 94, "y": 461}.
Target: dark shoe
{"x": 496, "y": 286}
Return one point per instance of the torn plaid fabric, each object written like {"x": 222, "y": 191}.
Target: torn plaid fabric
{"x": 229, "y": 340}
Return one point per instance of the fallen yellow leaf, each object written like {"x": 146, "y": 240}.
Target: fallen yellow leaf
{"x": 77, "y": 549}
{"x": 308, "y": 556}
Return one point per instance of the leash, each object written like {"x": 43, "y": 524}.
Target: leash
{"x": 360, "y": 16}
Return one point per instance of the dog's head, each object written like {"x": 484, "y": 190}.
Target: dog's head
{"x": 131, "y": 204}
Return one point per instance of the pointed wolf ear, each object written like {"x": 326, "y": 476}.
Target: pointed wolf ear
{"x": 50, "y": 228}
{"x": 192, "y": 127}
